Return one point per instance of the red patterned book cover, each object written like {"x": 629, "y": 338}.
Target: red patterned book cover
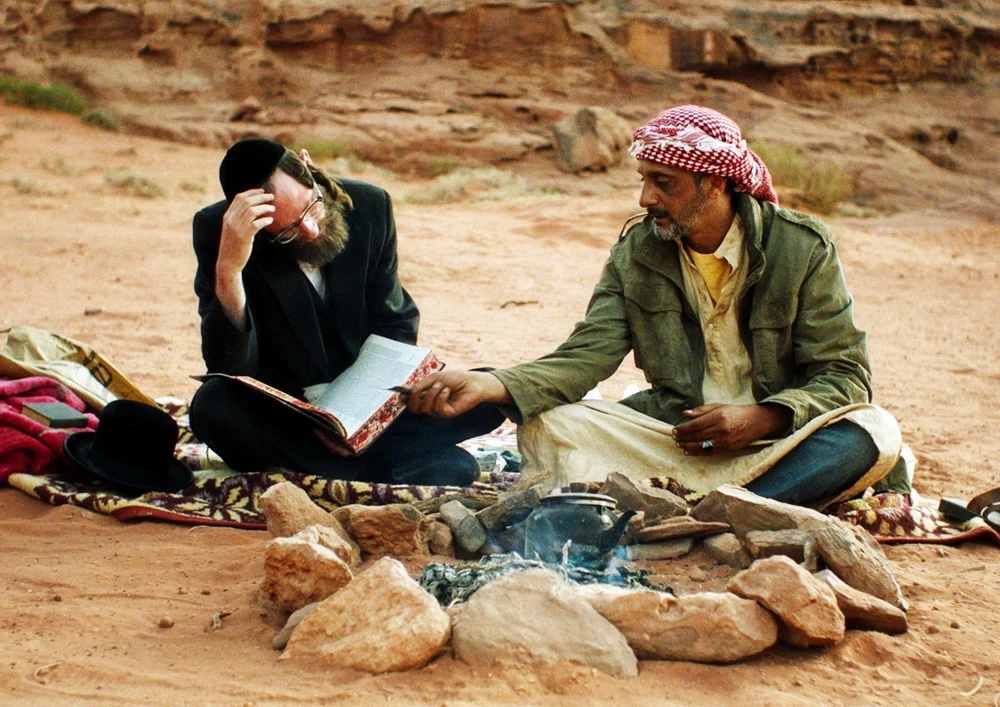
{"x": 358, "y": 405}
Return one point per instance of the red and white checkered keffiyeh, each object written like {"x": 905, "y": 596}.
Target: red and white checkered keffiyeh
{"x": 698, "y": 139}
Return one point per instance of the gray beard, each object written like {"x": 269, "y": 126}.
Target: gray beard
{"x": 676, "y": 231}
{"x": 328, "y": 246}
{"x": 673, "y": 232}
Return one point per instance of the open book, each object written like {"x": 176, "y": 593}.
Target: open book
{"x": 357, "y": 406}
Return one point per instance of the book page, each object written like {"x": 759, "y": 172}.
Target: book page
{"x": 360, "y": 391}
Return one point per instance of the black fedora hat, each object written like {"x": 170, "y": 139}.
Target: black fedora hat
{"x": 132, "y": 449}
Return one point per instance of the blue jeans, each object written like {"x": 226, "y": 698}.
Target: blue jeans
{"x": 250, "y": 431}
{"x": 827, "y": 462}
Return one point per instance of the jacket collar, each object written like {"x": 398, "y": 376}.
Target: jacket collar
{"x": 753, "y": 216}
{"x": 656, "y": 254}
{"x": 664, "y": 257}
{"x": 292, "y": 295}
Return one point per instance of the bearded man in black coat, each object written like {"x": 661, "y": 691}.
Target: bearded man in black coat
{"x": 295, "y": 270}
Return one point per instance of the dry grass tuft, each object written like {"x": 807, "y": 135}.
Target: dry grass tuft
{"x": 820, "y": 185}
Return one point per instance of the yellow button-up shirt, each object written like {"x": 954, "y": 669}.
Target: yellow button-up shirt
{"x": 712, "y": 283}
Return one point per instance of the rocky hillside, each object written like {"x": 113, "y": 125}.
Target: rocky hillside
{"x": 903, "y": 94}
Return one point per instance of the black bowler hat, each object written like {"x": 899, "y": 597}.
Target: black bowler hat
{"x": 132, "y": 449}
{"x": 248, "y": 164}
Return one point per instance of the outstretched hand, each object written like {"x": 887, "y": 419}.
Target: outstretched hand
{"x": 451, "y": 393}
{"x": 729, "y": 427}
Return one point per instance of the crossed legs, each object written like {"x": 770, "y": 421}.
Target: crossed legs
{"x": 250, "y": 432}
{"x": 587, "y": 441}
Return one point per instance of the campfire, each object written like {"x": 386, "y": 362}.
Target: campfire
{"x": 450, "y": 583}
{"x": 798, "y": 576}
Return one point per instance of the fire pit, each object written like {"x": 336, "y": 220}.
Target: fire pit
{"x": 450, "y": 583}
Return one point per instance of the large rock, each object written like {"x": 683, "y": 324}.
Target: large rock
{"x": 280, "y": 639}
{"x": 510, "y": 508}
{"x": 467, "y": 530}
{"x": 745, "y": 511}
{"x": 440, "y": 540}
{"x": 654, "y": 503}
{"x": 806, "y": 606}
{"x": 298, "y": 571}
{"x": 857, "y": 558}
{"x": 679, "y": 527}
{"x": 396, "y": 529}
{"x": 380, "y": 622}
{"x": 863, "y": 611}
{"x": 726, "y": 549}
{"x": 534, "y": 617}
{"x": 707, "y": 627}
{"x": 767, "y": 543}
{"x": 330, "y": 539}
{"x": 288, "y": 509}
{"x": 593, "y": 139}
{"x": 666, "y": 550}
{"x": 799, "y": 545}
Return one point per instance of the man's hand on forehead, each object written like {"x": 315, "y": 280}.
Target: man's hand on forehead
{"x": 250, "y": 212}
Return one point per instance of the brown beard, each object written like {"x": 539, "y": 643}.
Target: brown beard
{"x": 329, "y": 245}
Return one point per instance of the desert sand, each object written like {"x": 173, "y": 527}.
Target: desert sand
{"x": 97, "y": 611}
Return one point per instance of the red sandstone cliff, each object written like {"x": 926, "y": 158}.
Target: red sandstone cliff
{"x": 904, "y": 94}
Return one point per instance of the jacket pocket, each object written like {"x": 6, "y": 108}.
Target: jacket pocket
{"x": 773, "y": 351}
{"x": 660, "y": 337}
{"x": 653, "y": 297}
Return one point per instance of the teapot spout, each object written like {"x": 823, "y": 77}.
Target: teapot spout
{"x": 610, "y": 537}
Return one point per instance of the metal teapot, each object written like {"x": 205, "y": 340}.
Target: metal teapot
{"x": 581, "y": 525}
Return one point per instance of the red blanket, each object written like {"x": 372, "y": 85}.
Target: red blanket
{"x": 28, "y": 446}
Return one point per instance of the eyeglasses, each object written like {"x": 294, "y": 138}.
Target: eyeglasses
{"x": 291, "y": 232}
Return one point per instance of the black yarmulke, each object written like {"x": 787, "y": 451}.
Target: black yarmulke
{"x": 248, "y": 164}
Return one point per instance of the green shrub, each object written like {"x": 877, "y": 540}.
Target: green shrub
{"x": 30, "y": 187}
{"x": 133, "y": 183}
{"x": 24, "y": 185}
{"x": 786, "y": 164}
{"x": 103, "y": 120}
{"x": 57, "y": 165}
{"x": 481, "y": 183}
{"x": 56, "y": 96}
{"x": 821, "y": 185}
{"x": 828, "y": 186}
{"x": 352, "y": 164}
{"x": 442, "y": 165}
{"x": 320, "y": 149}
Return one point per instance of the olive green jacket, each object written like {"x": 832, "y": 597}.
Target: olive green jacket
{"x": 796, "y": 319}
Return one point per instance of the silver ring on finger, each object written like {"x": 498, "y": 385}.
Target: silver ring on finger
{"x": 707, "y": 445}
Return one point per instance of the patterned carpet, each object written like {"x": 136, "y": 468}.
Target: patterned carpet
{"x": 220, "y": 497}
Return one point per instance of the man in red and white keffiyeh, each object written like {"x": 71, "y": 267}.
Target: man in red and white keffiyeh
{"x": 684, "y": 147}
{"x": 739, "y": 317}
{"x": 697, "y": 139}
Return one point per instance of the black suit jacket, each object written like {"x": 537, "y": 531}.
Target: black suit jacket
{"x": 284, "y": 346}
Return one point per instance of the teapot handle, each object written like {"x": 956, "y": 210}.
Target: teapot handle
{"x": 610, "y": 537}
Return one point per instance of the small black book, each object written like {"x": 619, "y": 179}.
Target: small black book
{"x": 54, "y": 414}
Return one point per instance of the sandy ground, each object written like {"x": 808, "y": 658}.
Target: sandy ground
{"x": 498, "y": 281}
